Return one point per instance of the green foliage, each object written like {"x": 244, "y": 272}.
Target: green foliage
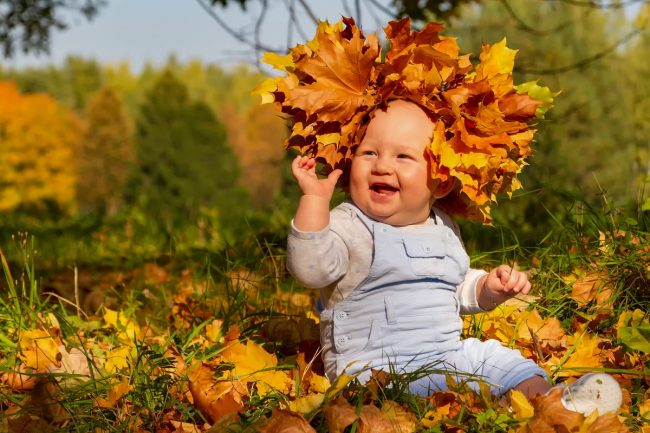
{"x": 26, "y": 24}
{"x": 105, "y": 154}
{"x": 183, "y": 160}
{"x": 590, "y": 143}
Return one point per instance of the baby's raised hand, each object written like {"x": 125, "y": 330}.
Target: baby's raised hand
{"x": 304, "y": 171}
{"x": 501, "y": 284}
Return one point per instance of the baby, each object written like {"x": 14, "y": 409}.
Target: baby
{"x": 392, "y": 270}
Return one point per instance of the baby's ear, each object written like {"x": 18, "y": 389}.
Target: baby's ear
{"x": 444, "y": 188}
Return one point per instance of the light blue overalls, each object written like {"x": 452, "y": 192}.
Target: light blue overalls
{"x": 405, "y": 315}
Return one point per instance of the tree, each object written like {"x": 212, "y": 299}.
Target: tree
{"x": 105, "y": 155}
{"x": 183, "y": 161}
{"x": 27, "y": 24}
{"x": 38, "y": 140}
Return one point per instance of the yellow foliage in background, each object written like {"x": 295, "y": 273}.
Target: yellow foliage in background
{"x": 38, "y": 138}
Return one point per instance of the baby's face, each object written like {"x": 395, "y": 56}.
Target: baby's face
{"x": 389, "y": 178}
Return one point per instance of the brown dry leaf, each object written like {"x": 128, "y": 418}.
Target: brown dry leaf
{"x": 551, "y": 414}
{"x": 155, "y": 274}
{"x": 607, "y": 423}
{"x": 21, "y": 379}
{"x": 548, "y": 331}
{"x": 117, "y": 391}
{"x": 402, "y": 419}
{"x": 74, "y": 363}
{"x": 285, "y": 421}
{"x": 593, "y": 285}
{"x": 372, "y": 421}
{"x": 215, "y": 399}
{"x": 338, "y": 415}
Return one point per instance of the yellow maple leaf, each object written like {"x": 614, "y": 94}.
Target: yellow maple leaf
{"x": 39, "y": 349}
{"x": 520, "y": 405}
{"x": 252, "y": 363}
{"x": 117, "y": 359}
{"x": 585, "y": 354}
{"x": 307, "y": 403}
{"x": 128, "y": 330}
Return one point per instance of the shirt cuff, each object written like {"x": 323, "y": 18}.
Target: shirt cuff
{"x": 297, "y": 233}
{"x": 467, "y": 292}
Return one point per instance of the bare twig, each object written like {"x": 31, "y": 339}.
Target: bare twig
{"x": 383, "y": 8}
{"x": 232, "y": 32}
{"x": 583, "y": 62}
{"x": 258, "y": 27}
{"x": 346, "y": 8}
{"x": 67, "y": 301}
{"x": 524, "y": 26}
{"x": 291, "y": 7}
{"x": 307, "y": 9}
{"x": 600, "y": 5}
{"x": 357, "y": 6}
{"x": 76, "y": 289}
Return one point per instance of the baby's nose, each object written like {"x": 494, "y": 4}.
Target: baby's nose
{"x": 382, "y": 166}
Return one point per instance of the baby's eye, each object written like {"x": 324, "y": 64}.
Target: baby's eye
{"x": 368, "y": 152}
{"x": 404, "y": 155}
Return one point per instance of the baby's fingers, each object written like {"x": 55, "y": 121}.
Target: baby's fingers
{"x": 302, "y": 163}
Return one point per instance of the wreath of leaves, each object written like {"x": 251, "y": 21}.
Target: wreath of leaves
{"x": 482, "y": 130}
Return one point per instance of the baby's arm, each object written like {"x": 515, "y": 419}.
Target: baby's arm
{"x": 313, "y": 211}
{"x": 316, "y": 257}
{"x": 499, "y": 285}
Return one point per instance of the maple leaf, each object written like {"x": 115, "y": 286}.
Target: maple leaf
{"x": 586, "y": 354}
{"x": 115, "y": 393}
{"x": 39, "y": 349}
{"x": 284, "y": 421}
{"x": 338, "y": 78}
{"x": 75, "y": 366}
{"x": 593, "y": 285}
{"x": 307, "y": 403}
{"x": 548, "y": 331}
{"x": 21, "y": 379}
{"x": 215, "y": 399}
{"x": 391, "y": 418}
{"x": 118, "y": 359}
{"x": 338, "y": 415}
{"x": 520, "y": 405}
{"x": 254, "y": 364}
{"x": 128, "y": 329}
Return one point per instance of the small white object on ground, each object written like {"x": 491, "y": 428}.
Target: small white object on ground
{"x": 593, "y": 391}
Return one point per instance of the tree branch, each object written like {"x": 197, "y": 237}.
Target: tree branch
{"x": 599, "y": 5}
{"x": 232, "y": 32}
{"x": 307, "y": 9}
{"x": 258, "y": 27}
{"x": 583, "y": 62}
{"x": 524, "y": 26}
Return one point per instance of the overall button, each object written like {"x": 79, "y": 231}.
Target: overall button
{"x": 342, "y": 339}
{"x": 384, "y": 229}
{"x": 341, "y": 315}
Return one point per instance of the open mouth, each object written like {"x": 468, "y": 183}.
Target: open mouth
{"x": 383, "y": 189}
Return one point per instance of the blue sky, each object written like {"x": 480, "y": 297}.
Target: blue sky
{"x": 151, "y": 30}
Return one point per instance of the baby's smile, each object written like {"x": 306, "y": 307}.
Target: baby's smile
{"x": 383, "y": 189}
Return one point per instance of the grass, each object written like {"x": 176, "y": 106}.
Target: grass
{"x": 135, "y": 370}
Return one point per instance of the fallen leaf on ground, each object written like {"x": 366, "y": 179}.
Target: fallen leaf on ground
{"x": 284, "y": 421}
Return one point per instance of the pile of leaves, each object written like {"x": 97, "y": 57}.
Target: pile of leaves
{"x": 240, "y": 352}
{"x": 481, "y": 136}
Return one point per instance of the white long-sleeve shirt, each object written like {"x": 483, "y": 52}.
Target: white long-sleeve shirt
{"x": 337, "y": 258}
